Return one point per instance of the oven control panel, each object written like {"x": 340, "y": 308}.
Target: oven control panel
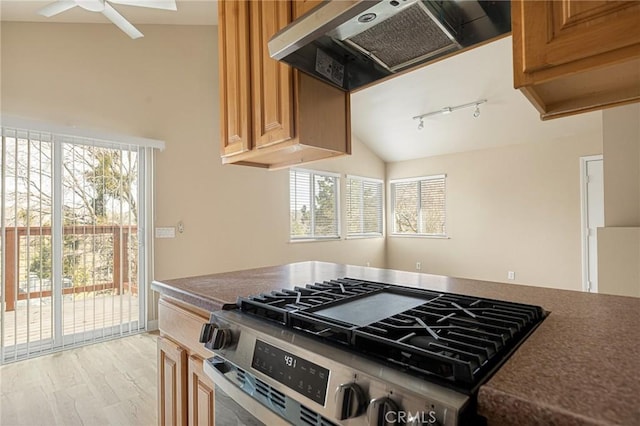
{"x": 342, "y": 388}
{"x": 296, "y": 373}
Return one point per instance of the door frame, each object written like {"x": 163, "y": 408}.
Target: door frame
{"x": 584, "y": 237}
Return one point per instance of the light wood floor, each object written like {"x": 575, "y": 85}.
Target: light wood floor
{"x": 110, "y": 383}
{"x": 32, "y": 320}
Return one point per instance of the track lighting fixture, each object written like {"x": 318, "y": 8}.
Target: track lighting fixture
{"x": 449, "y": 110}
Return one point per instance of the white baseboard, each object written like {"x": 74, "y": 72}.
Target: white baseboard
{"x": 152, "y": 325}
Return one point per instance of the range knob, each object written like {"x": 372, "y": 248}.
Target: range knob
{"x": 215, "y": 337}
{"x": 350, "y": 401}
{"x": 382, "y": 412}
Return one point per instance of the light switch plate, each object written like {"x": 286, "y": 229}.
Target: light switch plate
{"x": 166, "y": 232}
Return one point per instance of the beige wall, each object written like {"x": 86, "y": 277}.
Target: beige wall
{"x": 164, "y": 86}
{"x": 243, "y": 220}
{"x": 515, "y": 208}
{"x": 621, "y": 153}
{"x": 619, "y": 261}
{"x": 619, "y": 240}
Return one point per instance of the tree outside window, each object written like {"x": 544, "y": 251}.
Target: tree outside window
{"x": 364, "y": 207}
{"x": 419, "y": 206}
{"x": 313, "y": 205}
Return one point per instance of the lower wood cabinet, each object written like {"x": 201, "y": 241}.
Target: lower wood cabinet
{"x": 201, "y": 395}
{"x": 172, "y": 375}
{"x": 185, "y": 394}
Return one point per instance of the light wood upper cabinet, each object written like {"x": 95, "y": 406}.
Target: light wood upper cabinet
{"x": 576, "y": 56}
{"x": 233, "y": 20}
{"x": 272, "y": 80}
{"x": 300, "y": 7}
{"x": 292, "y": 117}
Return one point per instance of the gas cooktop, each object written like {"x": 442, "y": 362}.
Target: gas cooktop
{"x": 449, "y": 338}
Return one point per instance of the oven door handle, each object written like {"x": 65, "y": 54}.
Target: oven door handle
{"x": 215, "y": 368}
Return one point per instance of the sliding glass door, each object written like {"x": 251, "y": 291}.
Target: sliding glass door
{"x": 70, "y": 249}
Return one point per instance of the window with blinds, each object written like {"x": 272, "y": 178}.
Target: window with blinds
{"x": 419, "y": 206}
{"x": 313, "y": 201}
{"x": 364, "y": 207}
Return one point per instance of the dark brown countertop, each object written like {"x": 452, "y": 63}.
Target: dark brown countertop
{"x": 581, "y": 366}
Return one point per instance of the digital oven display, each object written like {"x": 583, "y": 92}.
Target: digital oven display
{"x": 303, "y": 376}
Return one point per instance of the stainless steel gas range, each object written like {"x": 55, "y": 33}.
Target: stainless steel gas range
{"x": 353, "y": 352}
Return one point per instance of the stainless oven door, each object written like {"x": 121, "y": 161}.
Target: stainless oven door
{"x": 234, "y": 407}
{"x": 229, "y": 413}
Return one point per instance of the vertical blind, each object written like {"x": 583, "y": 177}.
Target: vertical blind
{"x": 419, "y": 206}
{"x": 313, "y": 201}
{"x": 364, "y": 207}
{"x": 70, "y": 254}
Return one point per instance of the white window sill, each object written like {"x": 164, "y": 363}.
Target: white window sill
{"x": 364, "y": 237}
{"x": 435, "y": 237}
{"x": 313, "y": 240}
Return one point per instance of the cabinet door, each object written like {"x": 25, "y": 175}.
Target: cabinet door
{"x": 559, "y": 32}
{"x": 233, "y": 50}
{"x": 272, "y": 92}
{"x": 201, "y": 395}
{"x": 172, "y": 386}
{"x": 300, "y": 7}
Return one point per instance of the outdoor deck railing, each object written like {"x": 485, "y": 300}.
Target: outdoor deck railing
{"x": 12, "y": 261}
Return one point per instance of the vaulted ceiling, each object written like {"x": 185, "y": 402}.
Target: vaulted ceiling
{"x": 382, "y": 114}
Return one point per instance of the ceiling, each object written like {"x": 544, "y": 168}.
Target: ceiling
{"x": 381, "y": 115}
{"x": 190, "y": 12}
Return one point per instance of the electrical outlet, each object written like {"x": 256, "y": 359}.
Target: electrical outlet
{"x": 418, "y": 266}
{"x": 368, "y": 264}
{"x": 511, "y": 275}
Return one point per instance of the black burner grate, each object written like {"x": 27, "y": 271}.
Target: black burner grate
{"x": 448, "y": 337}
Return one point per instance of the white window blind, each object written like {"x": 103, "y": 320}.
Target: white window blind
{"x": 419, "y": 206}
{"x": 75, "y": 220}
{"x": 313, "y": 200}
{"x": 364, "y": 207}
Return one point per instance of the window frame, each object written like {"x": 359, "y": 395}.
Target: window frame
{"x": 312, "y": 174}
{"x": 361, "y": 235}
{"x": 392, "y": 202}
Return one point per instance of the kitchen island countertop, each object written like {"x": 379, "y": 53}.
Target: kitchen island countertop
{"x": 581, "y": 366}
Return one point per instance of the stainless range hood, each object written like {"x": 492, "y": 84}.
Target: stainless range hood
{"x": 350, "y": 43}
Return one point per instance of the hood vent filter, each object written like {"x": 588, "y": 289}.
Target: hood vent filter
{"x": 410, "y": 36}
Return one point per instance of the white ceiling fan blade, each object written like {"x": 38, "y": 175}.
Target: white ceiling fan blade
{"x": 154, "y": 4}
{"x": 57, "y": 7}
{"x": 122, "y": 23}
